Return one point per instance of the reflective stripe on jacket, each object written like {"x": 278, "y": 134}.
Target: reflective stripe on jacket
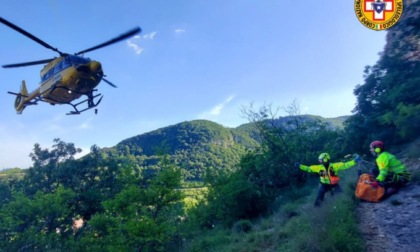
{"x": 330, "y": 177}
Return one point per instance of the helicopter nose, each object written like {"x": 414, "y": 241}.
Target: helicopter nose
{"x": 95, "y": 66}
{"x": 91, "y": 67}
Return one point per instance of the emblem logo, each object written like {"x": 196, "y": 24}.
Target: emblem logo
{"x": 378, "y": 14}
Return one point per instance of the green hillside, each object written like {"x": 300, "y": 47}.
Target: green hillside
{"x": 203, "y": 133}
{"x": 200, "y": 144}
{"x": 194, "y": 146}
{"x": 185, "y": 136}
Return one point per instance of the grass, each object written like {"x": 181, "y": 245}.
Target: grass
{"x": 294, "y": 225}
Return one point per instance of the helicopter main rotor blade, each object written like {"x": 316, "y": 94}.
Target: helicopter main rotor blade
{"x": 27, "y": 34}
{"x": 112, "y": 41}
{"x": 28, "y": 63}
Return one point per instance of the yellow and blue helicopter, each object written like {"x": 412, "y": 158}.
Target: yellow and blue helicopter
{"x": 66, "y": 78}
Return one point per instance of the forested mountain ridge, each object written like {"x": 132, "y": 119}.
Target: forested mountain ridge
{"x": 193, "y": 145}
{"x": 189, "y": 134}
{"x": 185, "y": 140}
{"x": 201, "y": 144}
{"x": 186, "y": 135}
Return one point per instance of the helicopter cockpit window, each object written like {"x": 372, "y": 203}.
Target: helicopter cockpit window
{"x": 46, "y": 76}
{"x": 66, "y": 63}
{"x": 58, "y": 67}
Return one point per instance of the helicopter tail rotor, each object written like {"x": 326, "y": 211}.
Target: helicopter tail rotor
{"x": 23, "y": 98}
{"x": 20, "y": 98}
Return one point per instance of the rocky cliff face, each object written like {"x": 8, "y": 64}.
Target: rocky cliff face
{"x": 404, "y": 37}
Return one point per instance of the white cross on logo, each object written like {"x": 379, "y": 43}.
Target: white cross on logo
{"x": 379, "y": 15}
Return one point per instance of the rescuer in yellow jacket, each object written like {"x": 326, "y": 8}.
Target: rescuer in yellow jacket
{"x": 389, "y": 172}
{"x": 328, "y": 174}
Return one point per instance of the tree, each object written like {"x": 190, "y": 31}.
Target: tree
{"x": 388, "y": 100}
{"x": 42, "y": 222}
{"x": 140, "y": 218}
{"x": 49, "y": 167}
{"x": 268, "y": 171}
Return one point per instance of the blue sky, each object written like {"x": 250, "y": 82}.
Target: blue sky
{"x": 195, "y": 59}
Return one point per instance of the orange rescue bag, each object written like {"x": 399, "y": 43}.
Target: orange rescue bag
{"x": 365, "y": 191}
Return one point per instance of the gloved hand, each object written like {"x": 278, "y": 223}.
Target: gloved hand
{"x": 297, "y": 165}
{"x": 376, "y": 184}
{"x": 357, "y": 158}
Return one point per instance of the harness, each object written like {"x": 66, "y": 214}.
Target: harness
{"x": 332, "y": 177}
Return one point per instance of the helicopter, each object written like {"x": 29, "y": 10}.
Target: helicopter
{"x": 66, "y": 78}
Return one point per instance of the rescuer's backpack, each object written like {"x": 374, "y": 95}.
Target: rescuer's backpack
{"x": 365, "y": 191}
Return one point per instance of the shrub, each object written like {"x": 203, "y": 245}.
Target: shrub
{"x": 242, "y": 226}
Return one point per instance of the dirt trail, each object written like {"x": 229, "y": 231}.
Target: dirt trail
{"x": 394, "y": 224}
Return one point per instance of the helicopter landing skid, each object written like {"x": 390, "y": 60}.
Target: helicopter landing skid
{"x": 91, "y": 104}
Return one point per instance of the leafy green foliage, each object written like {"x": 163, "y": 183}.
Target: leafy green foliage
{"x": 388, "y": 100}
{"x": 143, "y": 219}
{"x": 195, "y": 146}
{"x": 120, "y": 208}
{"x": 43, "y": 220}
{"x": 265, "y": 173}
{"x": 13, "y": 174}
{"x": 406, "y": 119}
{"x": 243, "y": 226}
{"x": 182, "y": 136}
{"x": 48, "y": 172}
{"x": 333, "y": 227}
{"x": 9, "y": 181}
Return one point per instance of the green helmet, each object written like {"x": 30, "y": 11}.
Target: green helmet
{"x": 324, "y": 157}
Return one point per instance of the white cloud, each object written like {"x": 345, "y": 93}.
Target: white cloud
{"x": 216, "y": 110}
{"x": 150, "y": 35}
{"x": 134, "y": 42}
{"x": 137, "y": 49}
{"x": 86, "y": 124}
{"x": 179, "y": 30}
